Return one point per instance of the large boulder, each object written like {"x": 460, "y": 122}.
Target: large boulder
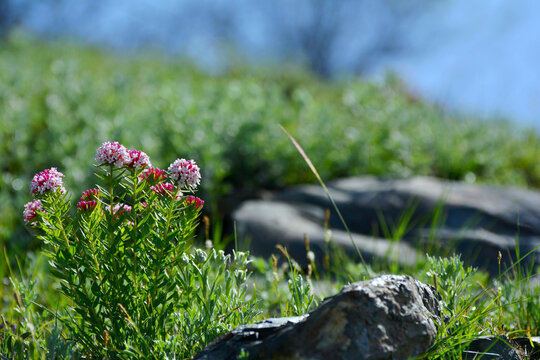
{"x": 389, "y": 317}
{"x": 476, "y": 221}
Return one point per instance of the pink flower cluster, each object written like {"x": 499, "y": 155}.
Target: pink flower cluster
{"x": 163, "y": 189}
{"x": 90, "y": 194}
{"x": 30, "y": 211}
{"x": 47, "y": 180}
{"x": 194, "y": 200}
{"x": 153, "y": 175}
{"x": 119, "y": 209}
{"x": 113, "y": 153}
{"x": 138, "y": 159}
{"x": 86, "y": 205}
{"x": 88, "y": 200}
{"x": 185, "y": 172}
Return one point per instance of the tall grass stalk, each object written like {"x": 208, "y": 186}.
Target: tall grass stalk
{"x": 334, "y": 205}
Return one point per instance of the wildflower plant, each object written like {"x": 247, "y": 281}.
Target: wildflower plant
{"x": 124, "y": 258}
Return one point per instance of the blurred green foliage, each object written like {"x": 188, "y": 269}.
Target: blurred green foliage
{"x": 59, "y": 102}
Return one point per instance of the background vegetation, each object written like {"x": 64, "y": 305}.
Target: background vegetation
{"x": 59, "y": 102}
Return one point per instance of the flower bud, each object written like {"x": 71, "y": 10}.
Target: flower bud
{"x": 200, "y": 256}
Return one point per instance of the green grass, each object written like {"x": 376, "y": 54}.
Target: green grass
{"x": 59, "y": 102}
{"x": 472, "y": 303}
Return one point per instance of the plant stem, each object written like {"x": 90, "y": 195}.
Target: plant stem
{"x": 112, "y": 249}
{"x": 59, "y": 222}
{"x": 158, "y": 263}
{"x": 135, "y": 195}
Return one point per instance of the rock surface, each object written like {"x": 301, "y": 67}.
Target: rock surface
{"x": 389, "y": 317}
{"x": 491, "y": 348}
{"x": 479, "y": 221}
{"x": 529, "y": 347}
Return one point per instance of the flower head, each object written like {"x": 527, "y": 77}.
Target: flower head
{"x": 90, "y": 194}
{"x": 163, "y": 189}
{"x": 30, "y": 211}
{"x": 153, "y": 175}
{"x": 118, "y": 209}
{"x": 47, "y": 180}
{"x": 200, "y": 256}
{"x": 86, "y": 205}
{"x": 138, "y": 159}
{"x": 195, "y": 201}
{"x": 113, "y": 153}
{"x": 185, "y": 172}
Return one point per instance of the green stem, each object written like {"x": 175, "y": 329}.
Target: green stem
{"x": 102, "y": 287}
{"x": 135, "y": 230}
{"x": 112, "y": 305}
{"x": 158, "y": 266}
{"x": 62, "y": 229}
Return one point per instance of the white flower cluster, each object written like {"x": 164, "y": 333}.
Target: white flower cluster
{"x": 47, "y": 180}
{"x": 138, "y": 159}
{"x": 116, "y": 207}
{"x": 185, "y": 172}
{"x": 113, "y": 153}
{"x": 30, "y": 210}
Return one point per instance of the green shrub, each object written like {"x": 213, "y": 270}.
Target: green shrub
{"x": 124, "y": 260}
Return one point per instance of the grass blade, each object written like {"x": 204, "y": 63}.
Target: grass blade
{"x": 321, "y": 182}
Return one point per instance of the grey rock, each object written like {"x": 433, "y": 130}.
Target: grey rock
{"x": 267, "y": 223}
{"x": 478, "y": 221}
{"x": 491, "y": 348}
{"x": 229, "y": 345}
{"x": 530, "y": 347}
{"x": 389, "y": 317}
